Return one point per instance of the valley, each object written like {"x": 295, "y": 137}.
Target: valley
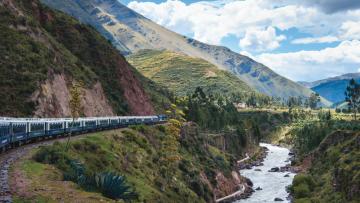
{"x": 98, "y": 103}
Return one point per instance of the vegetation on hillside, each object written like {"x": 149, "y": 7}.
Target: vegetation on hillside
{"x": 183, "y": 74}
{"x": 334, "y": 175}
{"x": 43, "y": 42}
{"x": 143, "y": 155}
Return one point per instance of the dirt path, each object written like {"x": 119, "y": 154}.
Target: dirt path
{"x": 237, "y": 193}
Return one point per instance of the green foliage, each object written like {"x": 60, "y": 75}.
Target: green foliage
{"x": 114, "y": 186}
{"x": 109, "y": 184}
{"x": 333, "y": 175}
{"x": 308, "y": 134}
{"x": 211, "y": 112}
{"x": 314, "y": 99}
{"x": 352, "y": 96}
{"x": 324, "y": 115}
{"x": 182, "y": 74}
{"x": 138, "y": 154}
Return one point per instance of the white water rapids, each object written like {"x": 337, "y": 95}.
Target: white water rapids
{"x": 273, "y": 184}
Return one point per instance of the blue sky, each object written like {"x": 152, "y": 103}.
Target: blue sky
{"x": 301, "y": 39}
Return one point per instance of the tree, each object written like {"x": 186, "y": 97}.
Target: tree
{"x": 314, "y": 99}
{"x": 352, "y": 96}
{"x": 75, "y": 106}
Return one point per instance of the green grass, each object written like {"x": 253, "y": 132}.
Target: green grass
{"x": 32, "y": 168}
{"x": 334, "y": 174}
{"x": 137, "y": 154}
{"x": 182, "y": 74}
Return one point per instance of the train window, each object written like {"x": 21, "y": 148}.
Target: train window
{"x": 74, "y": 125}
{"x": 4, "y": 130}
{"x": 103, "y": 122}
{"x": 37, "y": 127}
{"x": 55, "y": 126}
{"x": 89, "y": 123}
{"x": 19, "y": 128}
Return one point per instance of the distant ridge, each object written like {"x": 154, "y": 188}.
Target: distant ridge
{"x": 333, "y": 89}
{"x": 347, "y": 76}
{"x": 132, "y": 32}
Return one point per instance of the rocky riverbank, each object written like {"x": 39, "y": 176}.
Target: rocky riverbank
{"x": 255, "y": 160}
{"x": 268, "y": 174}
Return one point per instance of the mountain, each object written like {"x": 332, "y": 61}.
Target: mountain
{"x": 183, "y": 74}
{"x": 333, "y": 89}
{"x": 132, "y": 32}
{"x": 347, "y": 76}
{"x": 42, "y": 53}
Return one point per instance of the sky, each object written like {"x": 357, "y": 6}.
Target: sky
{"x": 304, "y": 40}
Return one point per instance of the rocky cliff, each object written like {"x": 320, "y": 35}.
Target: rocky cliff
{"x": 43, "y": 52}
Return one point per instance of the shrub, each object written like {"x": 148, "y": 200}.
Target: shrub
{"x": 302, "y": 185}
{"x": 53, "y": 155}
{"x": 114, "y": 186}
{"x": 301, "y": 191}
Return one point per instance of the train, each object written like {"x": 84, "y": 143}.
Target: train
{"x": 16, "y": 131}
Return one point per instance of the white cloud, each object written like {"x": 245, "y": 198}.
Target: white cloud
{"x": 308, "y": 40}
{"x": 261, "y": 40}
{"x": 253, "y": 23}
{"x": 314, "y": 65}
{"x": 210, "y": 21}
{"x": 350, "y": 30}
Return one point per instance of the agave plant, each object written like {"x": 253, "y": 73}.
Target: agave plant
{"x": 114, "y": 186}
{"x": 77, "y": 173}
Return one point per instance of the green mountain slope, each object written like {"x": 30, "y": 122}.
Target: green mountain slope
{"x": 334, "y": 174}
{"x": 136, "y": 32}
{"x": 42, "y": 52}
{"x": 182, "y": 74}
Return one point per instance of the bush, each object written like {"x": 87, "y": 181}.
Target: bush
{"x": 53, "y": 155}
{"x": 301, "y": 191}
{"x": 114, "y": 186}
{"x": 302, "y": 186}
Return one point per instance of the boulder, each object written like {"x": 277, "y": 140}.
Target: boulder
{"x": 275, "y": 169}
{"x": 278, "y": 199}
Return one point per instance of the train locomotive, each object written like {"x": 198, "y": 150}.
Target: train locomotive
{"x": 14, "y": 131}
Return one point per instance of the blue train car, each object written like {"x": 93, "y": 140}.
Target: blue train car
{"x": 17, "y": 130}
{"x": 36, "y": 129}
{"x": 74, "y": 126}
{"x": 4, "y": 134}
{"x": 89, "y": 124}
{"x": 55, "y": 128}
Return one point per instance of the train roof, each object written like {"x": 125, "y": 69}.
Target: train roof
{"x": 35, "y": 120}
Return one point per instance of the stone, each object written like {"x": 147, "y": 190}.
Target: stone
{"x": 275, "y": 169}
{"x": 278, "y": 199}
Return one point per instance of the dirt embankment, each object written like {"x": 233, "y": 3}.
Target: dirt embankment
{"x": 53, "y": 97}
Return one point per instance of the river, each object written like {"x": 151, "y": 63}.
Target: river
{"x": 273, "y": 184}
